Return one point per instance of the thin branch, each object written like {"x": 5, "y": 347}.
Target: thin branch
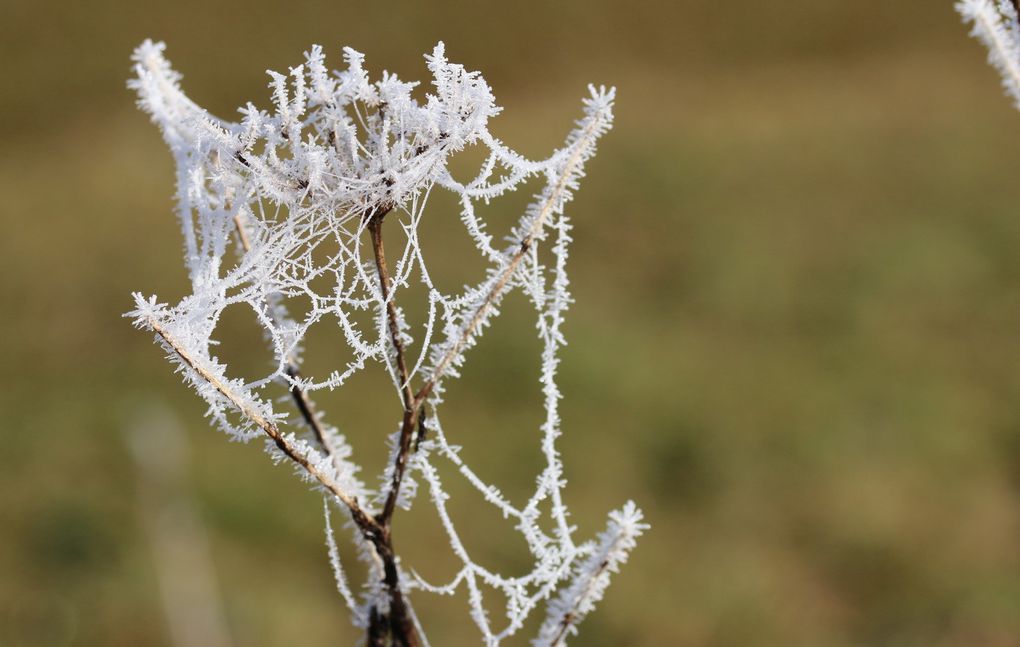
{"x": 367, "y": 524}
{"x": 403, "y": 630}
{"x": 401, "y": 625}
{"x": 375, "y": 223}
{"x": 574, "y": 614}
{"x": 242, "y": 232}
{"x": 411, "y": 422}
{"x": 411, "y": 406}
{"x": 408, "y": 426}
{"x": 307, "y": 409}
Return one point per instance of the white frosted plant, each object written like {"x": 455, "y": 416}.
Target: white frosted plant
{"x": 282, "y": 213}
{"x": 995, "y": 23}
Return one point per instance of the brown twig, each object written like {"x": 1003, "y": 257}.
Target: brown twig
{"x": 364, "y": 521}
{"x": 573, "y": 615}
{"x": 397, "y": 624}
{"x": 401, "y": 627}
{"x": 307, "y": 409}
{"x": 375, "y": 223}
{"x": 411, "y": 407}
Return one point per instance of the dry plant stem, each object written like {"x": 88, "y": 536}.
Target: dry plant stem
{"x": 411, "y": 406}
{"x": 301, "y": 399}
{"x": 375, "y": 223}
{"x": 570, "y": 617}
{"x": 377, "y": 629}
{"x": 307, "y": 409}
{"x": 413, "y": 403}
{"x": 400, "y": 624}
{"x": 1010, "y": 66}
{"x": 364, "y": 521}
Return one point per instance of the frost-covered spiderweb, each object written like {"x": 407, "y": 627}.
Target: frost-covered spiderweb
{"x": 277, "y": 209}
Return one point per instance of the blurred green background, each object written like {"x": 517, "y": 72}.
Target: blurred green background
{"x": 796, "y": 341}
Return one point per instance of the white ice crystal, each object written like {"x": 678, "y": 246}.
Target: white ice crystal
{"x": 995, "y": 24}
{"x": 275, "y": 211}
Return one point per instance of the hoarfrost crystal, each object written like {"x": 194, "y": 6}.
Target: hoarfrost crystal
{"x": 282, "y": 213}
{"x": 995, "y": 24}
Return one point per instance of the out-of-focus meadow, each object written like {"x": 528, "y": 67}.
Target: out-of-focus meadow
{"x": 796, "y": 341}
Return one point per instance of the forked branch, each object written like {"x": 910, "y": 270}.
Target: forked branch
{"x": 363, "y": 520}
{"x": 402, "y": 627}
{"x": 412, "y": 406}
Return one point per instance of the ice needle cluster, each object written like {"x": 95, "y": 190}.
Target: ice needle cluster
{"x": 282, "y": 213}
{"x": 995, "y": 23}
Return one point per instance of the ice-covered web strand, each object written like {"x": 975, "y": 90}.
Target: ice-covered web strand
{"x": 295, "y": 193}
{"x": 551, "y": 317}
{"x": 303, "y": 403}
{"x": 342, "y": 587}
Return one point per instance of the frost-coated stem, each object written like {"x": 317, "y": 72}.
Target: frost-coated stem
{"x": 363, "y": 520}
{"x": 375, "y": 223}
{"x": 995, "y": 23}
{"x": 411, "y": 406}
{"x": 402, "y": 626}
{"x": 404, "y": 631}
{"x": 592, "y": 576}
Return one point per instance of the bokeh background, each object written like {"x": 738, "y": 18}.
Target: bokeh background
{"x": 796, "y": 341}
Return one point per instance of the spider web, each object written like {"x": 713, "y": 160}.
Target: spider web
{"x": 274, "y": 211}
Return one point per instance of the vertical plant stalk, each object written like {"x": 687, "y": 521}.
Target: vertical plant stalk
{"x": 399, "y": 621}
{"x": 397, "y": 624}
{"x": 413, "y": 402}
{"x": 411, "y": 405}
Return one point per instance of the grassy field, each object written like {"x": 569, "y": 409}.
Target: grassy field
{"x": 796, "y": 341}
